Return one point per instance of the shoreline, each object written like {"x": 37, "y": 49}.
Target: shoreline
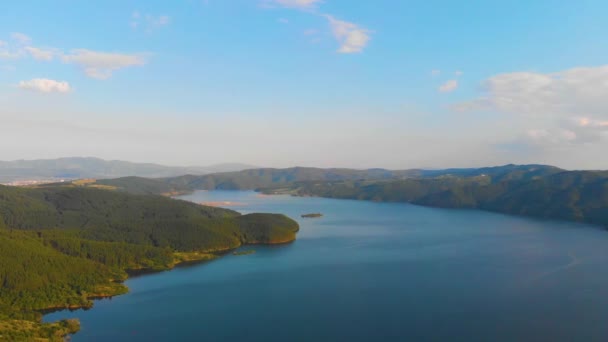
{"x": 148, "y": 271}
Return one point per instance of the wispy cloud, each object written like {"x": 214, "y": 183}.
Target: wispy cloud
{"x": 7, "y": 54}
{"x": 95, "y": 64}
{"x": 101, "y": 65}
{"x": 448, "y": 86}
{"x": 9, "y": 51}
{"x": 458, "y": 73}
{"x": 283, "y": 21}
{"x": 45, "y": 85}
{"x": 20, "y": 38}
{"x": 435, "y": 72}
{"x": 351, "y": 37}
{"x": 41, "y": 54}
{"x": 20, "y": 46}
{"x": 148, "y": 22}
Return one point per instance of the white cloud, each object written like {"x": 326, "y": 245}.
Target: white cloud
{"x": 352, "y": 38}
{"x": 21, "y": 38}
{"x": 45, "y": 85}
{"x": 458, "y": 73}
{"x": 299, "y": 4}
{"x": 448, "y": 86}
{"x": 570, "y": 105}
{"x": 283, "y": 21}
{"x": 101, "y": 65}
{"x": 95, "y": 64}
{"x": 435, "y": 72}
{"x": 40, "y": 54}
{"x": 19, "y": 48}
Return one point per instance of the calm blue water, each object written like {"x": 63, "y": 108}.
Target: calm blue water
{"x": 371, "y": 271}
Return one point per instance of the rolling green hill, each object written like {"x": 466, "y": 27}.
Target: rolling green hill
{"x": 61, "y": 245}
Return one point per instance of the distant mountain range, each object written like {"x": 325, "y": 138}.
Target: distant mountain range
{"x": 86, "y": 167}
{"x": 530, "y": 190}
{"x": 269, "y": 178}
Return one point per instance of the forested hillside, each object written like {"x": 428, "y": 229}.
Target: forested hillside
{"x": 532, "y": 190}
{"x": 61, "y": 245}
{"x": 569, "y": 195}
{"x": 262, "y": 178}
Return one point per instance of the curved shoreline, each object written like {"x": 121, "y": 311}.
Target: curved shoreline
{"x": 148, "y": 271}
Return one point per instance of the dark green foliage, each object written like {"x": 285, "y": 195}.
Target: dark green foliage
{"x": 118, "y": 255}
{"x": 121, "y": 218}
{"x": 267, "y": 228}
{"x": 143, "y": 186}
{"x": 34, "y": 276}
{"x": 62, "y": 244}
{"x": 258, "y": 178}
{"x": 118, "y": 217}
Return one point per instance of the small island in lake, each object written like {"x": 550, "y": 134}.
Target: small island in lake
{"x": 312, "y": 215}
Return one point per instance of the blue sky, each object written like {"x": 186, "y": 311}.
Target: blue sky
{"x": 393, "y": 84}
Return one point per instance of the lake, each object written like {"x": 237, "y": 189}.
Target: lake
{"x": 369, "y": 271}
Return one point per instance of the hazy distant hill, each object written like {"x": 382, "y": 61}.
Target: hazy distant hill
{"x": 258, "y": 178}
{"x": 531, "y": 190}
{"x": 261, "y": 178}
{"x": 272, "y": 178}
{"x": 80, "y": 167}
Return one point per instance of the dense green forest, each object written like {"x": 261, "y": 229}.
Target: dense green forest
{"x": 61, "y": 245}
